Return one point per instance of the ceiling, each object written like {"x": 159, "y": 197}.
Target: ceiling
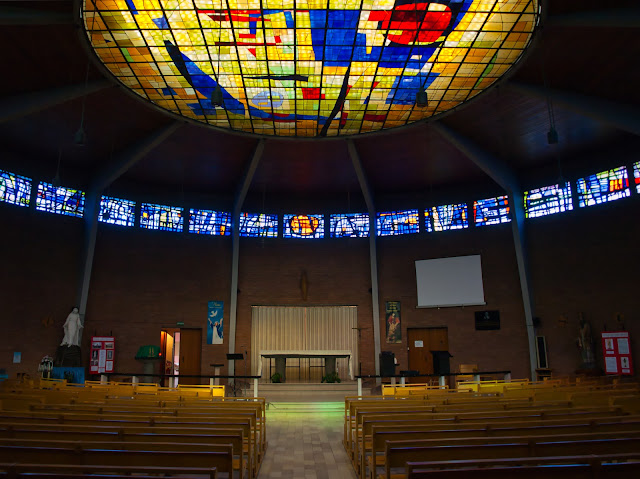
{"x": 583, "y": 58}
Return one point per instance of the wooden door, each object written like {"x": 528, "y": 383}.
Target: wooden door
{"x": 421, "y": 342}
{"x": 190, "y": 354}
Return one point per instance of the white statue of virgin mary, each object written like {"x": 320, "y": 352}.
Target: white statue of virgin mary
{"x": 72, "y": 328}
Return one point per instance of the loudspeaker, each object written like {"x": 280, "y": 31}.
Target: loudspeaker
{"x": 387, "y": 363}
{"x": 487, "y": 320}
{"x": 441, "y": 362}
{"x": 541, "y": 352}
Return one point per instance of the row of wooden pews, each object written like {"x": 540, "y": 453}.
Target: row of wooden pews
{"x": 123, "y": 429}
{"x": 588, "y": 428}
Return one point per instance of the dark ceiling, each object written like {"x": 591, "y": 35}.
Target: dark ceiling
{"x": 589, "y": 56}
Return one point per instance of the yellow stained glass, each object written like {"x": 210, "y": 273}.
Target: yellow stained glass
{"x": 309, "y": 67}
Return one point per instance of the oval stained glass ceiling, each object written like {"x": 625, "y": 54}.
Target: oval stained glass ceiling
{"x": 309, "y": 68}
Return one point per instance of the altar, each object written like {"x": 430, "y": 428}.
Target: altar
{"x": 329, "y": 357}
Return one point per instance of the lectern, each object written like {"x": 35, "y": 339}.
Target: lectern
{"x": 441, "y": 362}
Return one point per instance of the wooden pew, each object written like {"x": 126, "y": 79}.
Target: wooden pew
{"x": 444, "y": 439}
{"x": 398, "y": 453}
{"x": 88, "y": 470}
{"x": 615, "y": 466}
{"x": 221, "y": 460}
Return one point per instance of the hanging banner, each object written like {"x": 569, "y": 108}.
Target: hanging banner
{"x": 392, "y": 315}
{"x": 215, "y": 324}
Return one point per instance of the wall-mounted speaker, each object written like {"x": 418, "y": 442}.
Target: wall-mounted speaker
{"x": 541, "y": 352}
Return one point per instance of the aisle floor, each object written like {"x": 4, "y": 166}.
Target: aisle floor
{"x": 305, "y": 441}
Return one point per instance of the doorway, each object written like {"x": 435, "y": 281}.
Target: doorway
{"x": 421, "y": 342}
{"x": 182, "y": 350}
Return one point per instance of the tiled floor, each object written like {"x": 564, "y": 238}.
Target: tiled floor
{"x": 305, "y": 441}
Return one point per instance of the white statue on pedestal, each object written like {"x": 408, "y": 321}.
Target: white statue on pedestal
{"x": 72, "y": 328}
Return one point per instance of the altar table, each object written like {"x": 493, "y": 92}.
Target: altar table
{"x": 329, "y": 355}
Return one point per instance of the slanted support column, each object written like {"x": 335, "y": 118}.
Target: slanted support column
{"x": 23, "y": 105}
{"x": 91, "y": 211}
{"x": 507, "y": 179}
{"x": 373, "y": 255}
{"x": 625, "y": 117}
{"x": 235, "y": 253}
{"x": 120, "y": 165}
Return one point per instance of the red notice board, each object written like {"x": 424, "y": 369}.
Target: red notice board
{"x": 616, "y": 350}
{"x": 102, "y": 354}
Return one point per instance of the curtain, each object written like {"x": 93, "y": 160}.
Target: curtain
{"x": 310, "y": 328}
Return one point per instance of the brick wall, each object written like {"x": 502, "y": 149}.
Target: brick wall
{"x": 584, "y": 261}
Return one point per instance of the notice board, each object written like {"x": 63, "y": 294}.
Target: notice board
{"x": 102, "y": 354}
{"x": 616, "y": 350}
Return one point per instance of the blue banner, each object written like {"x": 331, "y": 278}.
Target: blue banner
{"x": 215, "y": 323}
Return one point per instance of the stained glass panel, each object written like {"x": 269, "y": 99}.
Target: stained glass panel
{"x": 636, "y": 175}
{"x": 447, "y": 217}
{"x": 161, "y": 217}
{"x": 605, "y": 186}
{"x": 491, "y": 211}
{"x": 309, "y": 67}
{"x": 256, "y": 224}
{"x": 14, "y": 189}
{"x": 398, "y": 223}
{"x": 355, "y": 225}
{"x": 60, "y": 200}
{"x": 548, "y": 200}
{"x": 303, "y": 226}
{"x": 117, "y": 211}
{"x": 215, "y": 223}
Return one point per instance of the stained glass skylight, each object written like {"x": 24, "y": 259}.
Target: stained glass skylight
{"x": 547, "y": 200}
{"x": 60, "y": 200}
{"x": 447, "y": 217}
{"x": 491, "y": 211}
{"x": 217, "y": 223}
{"x": 605, "y": 186}
{"x": 14, "y": 189}
{"x": 355, "y": 225}
{"x": 636, "y": 175}
{"x": 161, "y": 217}
{"x": 258, "y": 225}
{"x": 303, "y": 226}
{"x": 309, "y": 67}
{"x": 117, "y": 211}
{"x": 394, "y": 223}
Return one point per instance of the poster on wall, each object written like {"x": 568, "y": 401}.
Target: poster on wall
{"x": 215, "y": 325}
{"x": 617, "y": 353}
{"x": 102, "y": 354}
{"x": 392, "y": 315}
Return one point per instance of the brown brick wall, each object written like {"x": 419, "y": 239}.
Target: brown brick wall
{"x": 584, "y": 261}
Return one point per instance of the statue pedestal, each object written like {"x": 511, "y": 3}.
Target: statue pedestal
{"x": 68, "y": 357}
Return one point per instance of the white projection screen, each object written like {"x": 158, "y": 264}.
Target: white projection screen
{"x": 453, "y": 281}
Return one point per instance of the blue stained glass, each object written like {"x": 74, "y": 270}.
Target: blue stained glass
{"x": 447, "y": 217}
{"x": 491, "y": 211}
{"x": 398, "y": 223}
{"x": 547, "y": 200}
{"x": 15, "y": 189}
{"x": 355, "y": 225}
{"x": 217, "y": 223}
{"x": 117, "y": 211}
{"x": 60, "y": 200}
{"x": 605, "y": 186}
{"x": 258, "y": 225}
{"x": 161, "y": 217}
{"x": 303, "y": 226}
{"x": 636, "y": 175}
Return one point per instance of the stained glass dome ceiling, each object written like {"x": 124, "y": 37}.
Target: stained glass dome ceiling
{"x": 309, "y": 68}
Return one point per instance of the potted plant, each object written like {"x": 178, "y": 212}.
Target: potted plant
{"x": 276, "y": 378}
{"x": 331, "y": 378}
